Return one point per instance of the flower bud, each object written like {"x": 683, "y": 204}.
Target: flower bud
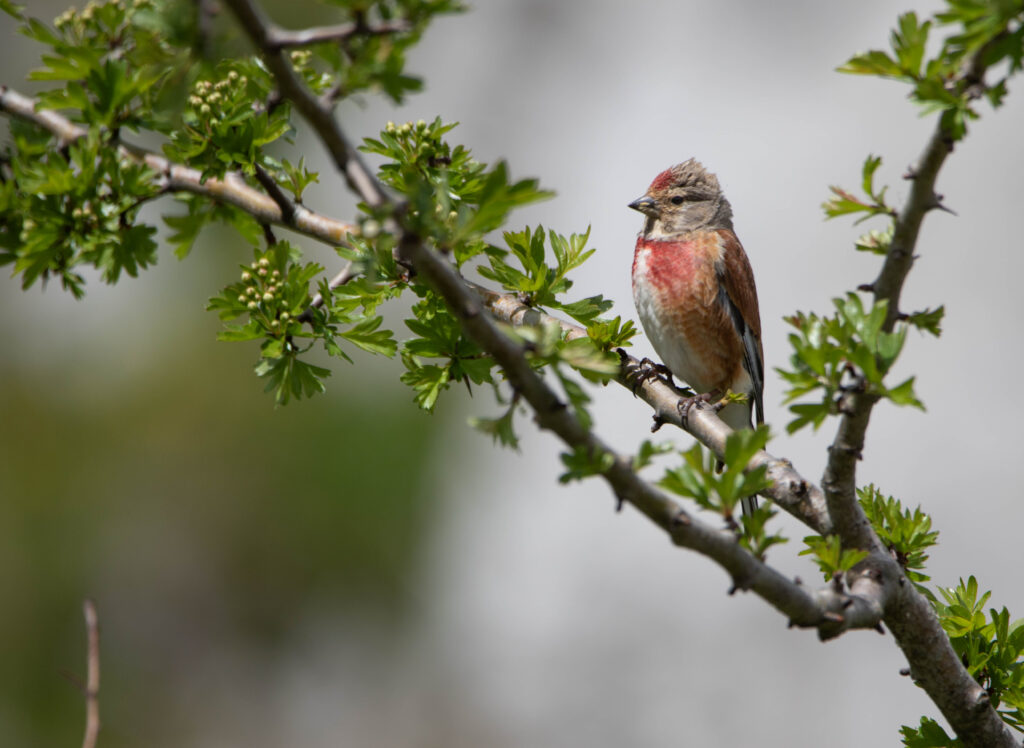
{"x": 371, "y": 228}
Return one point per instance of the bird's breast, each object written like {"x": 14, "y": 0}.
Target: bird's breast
{"x": 675, "y": 288}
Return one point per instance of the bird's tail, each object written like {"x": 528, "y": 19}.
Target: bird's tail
{"x": 749, "y": 504}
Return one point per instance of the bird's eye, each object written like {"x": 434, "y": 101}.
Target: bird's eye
{"x": 677, "y": 200}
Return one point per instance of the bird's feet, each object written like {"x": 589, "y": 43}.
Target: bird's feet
{"x": 686, "y": 404}
{"x": 647, "y": 369}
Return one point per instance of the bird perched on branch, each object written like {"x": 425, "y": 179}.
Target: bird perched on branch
{"x": 695, "y": 294}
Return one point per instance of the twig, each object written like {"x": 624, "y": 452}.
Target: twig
{"x": 286, "y": 206}
{"x": 92, "y": 680}
{"x": 278, "y": 38}
{"x": 359, "y": 178}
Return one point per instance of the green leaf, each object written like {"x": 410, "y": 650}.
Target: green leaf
{"x": 582, "y": 463}
{"x": 501, "y": 429}
{"x": 930, "y": 320}
{"x": 427, "y": 382}
{"x": 928, "y": 735}
{"x": 367, "y": 336}
{"x": 908, "y": 41}
{"x": 831, "y": 557}
{"x": 874, "y": 62}
{"x": 648, "y": 451}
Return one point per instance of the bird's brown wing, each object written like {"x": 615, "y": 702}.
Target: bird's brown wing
{"x": 740, "y": 298}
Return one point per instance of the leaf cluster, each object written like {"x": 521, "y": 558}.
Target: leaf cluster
{"x": 991, "y": 647}
{"x": 719, "y": 486}
{"x": 62, "y": 208}
{"x": 273, "y": 294}
{"x": 944, "y": 82}
{"x": 906, "y": 534}
{"x": 371, "y": 59}
{"x": 222, "y": 130}
{"x": 449, "y": 196}
{"x": 830, "y": 555}
{"x": 848, "y": 352}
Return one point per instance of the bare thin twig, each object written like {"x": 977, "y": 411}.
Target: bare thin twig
{"x": 278, "y": 38}
{"x": 92, "y": 680}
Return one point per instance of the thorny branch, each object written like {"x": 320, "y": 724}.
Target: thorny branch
{"x": 876, "y": 589}
{"x": 747, "y": 572}
{"x": 933, "y": 662}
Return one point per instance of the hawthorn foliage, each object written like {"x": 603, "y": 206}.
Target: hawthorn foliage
{"x": 125, "y": 72}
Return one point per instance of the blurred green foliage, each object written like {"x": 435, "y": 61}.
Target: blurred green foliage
{"x": 199, "y": 518}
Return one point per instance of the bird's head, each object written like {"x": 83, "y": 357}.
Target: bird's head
{"x": 682, "y": 199}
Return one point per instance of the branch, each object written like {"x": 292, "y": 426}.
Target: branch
{"x": 831, "y": 611}
{"x": 232, "y": 190}
{"x": 262, "y": 33}
{"x": 790, "y": 491}
{"x": 934, "y": 664}
{"x": 92, "y": 680}
{"x": 278, "y": 38}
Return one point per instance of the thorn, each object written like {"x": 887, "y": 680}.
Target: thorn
{"x": 733, "y": 589}
{"x": 937, "y": 203}
{"x": 847, "y": 602}
{"x": 658, "y": 423}
{"x": 619, "y": 502}
{"x": 797, "y": 580}
{"x": 910, "y": 173}
{"x": 982, "y": 700}
{"x": 866, "y": 287}
{"x": 905, "y": 672}
{"x": 790, "y": 624}
{"x": 878, "y": 627}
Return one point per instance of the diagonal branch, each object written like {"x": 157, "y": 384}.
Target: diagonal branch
{"x": 831, "y": 610}
{"x": 789, "y": 490}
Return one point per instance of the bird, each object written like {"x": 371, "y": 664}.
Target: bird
{"x": 695, "y": 294}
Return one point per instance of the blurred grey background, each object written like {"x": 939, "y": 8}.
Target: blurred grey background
{"x": 350, "y": 572}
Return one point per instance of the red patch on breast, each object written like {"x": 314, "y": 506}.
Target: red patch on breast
{"x": 677, "y": 271}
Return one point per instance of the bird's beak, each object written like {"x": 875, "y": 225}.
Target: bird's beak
{"x": 646, "y": 205}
